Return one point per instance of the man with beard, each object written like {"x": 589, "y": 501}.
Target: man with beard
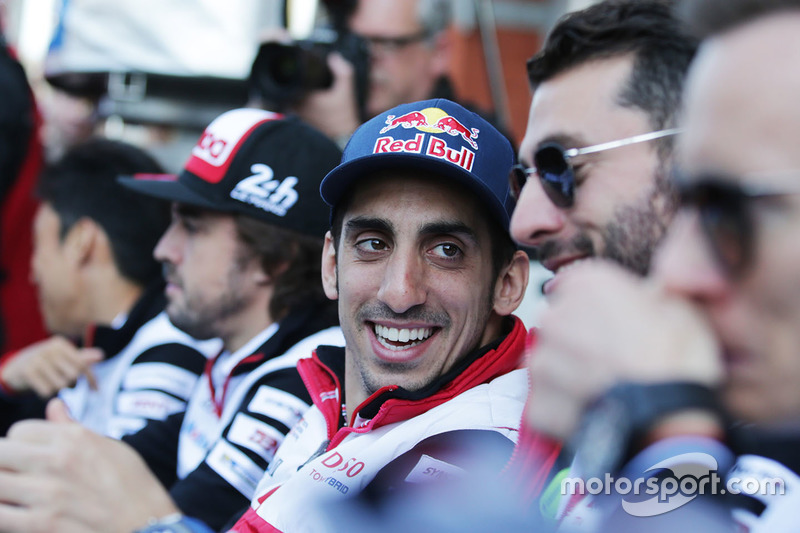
{"x": 596, "y": 156}
{"x": 241, "y": 261}
{"x": 593, "y": 178}
{"x": 714, "y": 334}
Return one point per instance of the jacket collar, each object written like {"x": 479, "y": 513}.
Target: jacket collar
{"x": 323, "y": 374}
{"x": 111, "y": 340}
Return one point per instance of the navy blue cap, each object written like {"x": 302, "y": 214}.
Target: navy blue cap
{"x": 257, "y": 163}
{"x": 438, "y": 136}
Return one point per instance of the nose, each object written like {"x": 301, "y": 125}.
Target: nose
{"x": 168, "y": 248}
{"x": 403, "y": 284}
{"x": 535, "y": 218}
{"x": 685, "y": 264}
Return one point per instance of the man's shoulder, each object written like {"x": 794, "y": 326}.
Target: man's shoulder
{"x": 496, "y": 405}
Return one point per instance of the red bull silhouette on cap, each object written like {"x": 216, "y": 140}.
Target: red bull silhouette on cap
{"x": 438, "y": 136}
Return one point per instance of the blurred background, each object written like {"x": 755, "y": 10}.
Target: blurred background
{"x": 155, "y": 73}
{"x": 70, "y": 40}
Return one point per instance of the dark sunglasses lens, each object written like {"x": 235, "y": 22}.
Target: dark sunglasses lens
{"x": 726, "y": 222}
{"x": 555, "y": 174}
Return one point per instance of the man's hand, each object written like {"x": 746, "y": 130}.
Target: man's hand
{"x": 49, "y": 366}
{"x": 56, "y": 475}
{"x": 333, "y": 111}
{"x": 605, "y": 326}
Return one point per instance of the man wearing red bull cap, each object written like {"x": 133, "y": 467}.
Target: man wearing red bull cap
{"x": 426, "y": 276}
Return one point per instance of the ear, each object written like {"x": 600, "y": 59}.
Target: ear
{"x": 329, "y": 279}
{"x": 86, "y": 242}
{"x": 509, "y": 289}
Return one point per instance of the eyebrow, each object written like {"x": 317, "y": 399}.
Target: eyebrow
{"x": 368, "y": 223}
{"x": 449, "y": 228}
{"x": 432, "y": 228}
{"x": 566, "y": 140}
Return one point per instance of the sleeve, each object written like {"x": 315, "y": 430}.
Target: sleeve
{"x": 441, "y": 458}
{"x": 226, "y": 480}
{"x": 157, "y": 444}
{"x": 157, "y": 385}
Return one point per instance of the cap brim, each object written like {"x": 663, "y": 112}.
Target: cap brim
{"x": 340, "y": 179}
{"x": 165, "y": 187}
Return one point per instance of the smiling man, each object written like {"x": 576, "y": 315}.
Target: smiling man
{"x": 606, "y": 94}
{"x": 713, "y": 336}
{"x": 426, "y": 276}
{"x": 595, "y": 165}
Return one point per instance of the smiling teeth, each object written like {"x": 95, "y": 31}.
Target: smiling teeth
{"x": 401, "y": 335}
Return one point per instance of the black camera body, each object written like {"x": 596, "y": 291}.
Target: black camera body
{"x": 284, "y": 74}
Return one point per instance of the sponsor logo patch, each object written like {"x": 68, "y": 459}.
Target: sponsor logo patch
{"x": 278, "y": 405}
{"x": 235, "y": 467}
{"x": 148, "y": 404}
{"x": 431, "y": 122}
{"x": 429, "y": 469}
{"x": 255, "y": 436}
{"x": 262, "y": 190}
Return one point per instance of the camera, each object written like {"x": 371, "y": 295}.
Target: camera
{"x": 283, "y": 74}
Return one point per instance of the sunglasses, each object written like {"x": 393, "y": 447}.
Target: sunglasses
{"x": 552, "y": 165}
{"x": 726, "y": 216}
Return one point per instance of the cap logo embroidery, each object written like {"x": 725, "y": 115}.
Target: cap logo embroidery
{"x": 429, "y": 120}
{"x": 217, "y": 147}
{"x": 433, "y": 120}
{"x": 264, "y": 192}
{"x": 209, "y": 148}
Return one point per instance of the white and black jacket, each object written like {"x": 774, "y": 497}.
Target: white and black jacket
{"x": 212, "y": 457}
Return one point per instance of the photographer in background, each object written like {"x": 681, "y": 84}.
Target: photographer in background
{"x": 407, "y": 58}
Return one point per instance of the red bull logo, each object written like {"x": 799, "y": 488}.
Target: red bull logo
{"x": 430, "y": 120}
{"x": 433, "y": 120}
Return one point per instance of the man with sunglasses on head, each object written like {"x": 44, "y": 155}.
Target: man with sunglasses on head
{"x": 714, "y": 335}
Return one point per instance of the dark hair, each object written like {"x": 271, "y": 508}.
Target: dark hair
{"x": 83, "y": 184}
{"x": 291, "y": 259}
{"x": 503, "y": 247}
{"x": 705, "y": 18}
{"x": 648, "y": 29}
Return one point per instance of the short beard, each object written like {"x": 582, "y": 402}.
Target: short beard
{"x": 203, "y": 319}
{"x": 631, "y": 237}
